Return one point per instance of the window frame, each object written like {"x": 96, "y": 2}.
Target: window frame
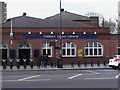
{"x": 3, "y": 45}
{"x": 68, "y": 46}
{"x": 88, "y": 47}
{"x": 47, "y": 47}
{"x": 118, "y": 47}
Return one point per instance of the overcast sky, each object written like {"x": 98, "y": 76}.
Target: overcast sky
{"x": 45, "y": 8}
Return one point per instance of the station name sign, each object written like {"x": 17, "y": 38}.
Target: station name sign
{"x": 58, "y": 36}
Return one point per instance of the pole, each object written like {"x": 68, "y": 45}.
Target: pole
{"x": 11, "y": 26}
{"x": 61, "y": 63}
{"x": 11, "y": 33}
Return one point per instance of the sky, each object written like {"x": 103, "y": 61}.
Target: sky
{"x": 45, "y": 8}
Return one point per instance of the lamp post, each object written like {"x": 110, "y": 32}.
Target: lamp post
{"x": 11, "y": 32}
{"x": 61, "y": 61}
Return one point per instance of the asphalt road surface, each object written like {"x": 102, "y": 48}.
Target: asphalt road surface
{"x": 102, "y": 78}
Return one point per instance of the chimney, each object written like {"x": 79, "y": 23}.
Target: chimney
{"x": 94, "y": 21}
{"x": 62, "y": 10}
{"x": 24, "y": 14}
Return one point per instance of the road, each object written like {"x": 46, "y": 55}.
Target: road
{"x": 101, "y": 78}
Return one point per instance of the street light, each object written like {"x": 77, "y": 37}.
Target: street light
{"x": 11, "y": 32}
{"x": 61, "y": 61}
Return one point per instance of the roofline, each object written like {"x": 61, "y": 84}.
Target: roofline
{"x": 62, "y": 27}
{"x": 67, "y": 12}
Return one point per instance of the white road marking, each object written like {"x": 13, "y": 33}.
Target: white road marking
{"x": 39, "y": 80}
{"x": 18, "y": 76}
{"x": 74, "y": 76}
{"x": 9, "y": 80}
{"x": 93, "y": 72}
{"x": 107, "y": 70}
{"x": 103, "y": 78}
{"x": 28, "y": 78}
{"x": 117, "y": 76}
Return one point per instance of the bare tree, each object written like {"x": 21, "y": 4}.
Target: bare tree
{"x": 113, "y": 25}
{"x": 94, "y": 14}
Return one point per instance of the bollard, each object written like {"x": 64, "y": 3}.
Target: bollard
{"x": 39, "y": 64}
{"x": 58, "y": 64}
{"x": 79, "y": 64}
{"x": 104, "y": 63}
{"x": 51, "y": 65}
{"x": 4, "y": 64}
{"x": 54, "y": 63}
{"x": 45, "y": 64}
{"x": 11, "y": 63}
{"x": 72, "y": 64}
{"x": 42, "y": 63}
{"x": 92, "y": 65}
{"x": 31, "y": 63}
{"x": 85, "y": 64}
{"x": 18, "y": 63}
{"x": 98, "y": 64}
{"x": 24, "y": 64}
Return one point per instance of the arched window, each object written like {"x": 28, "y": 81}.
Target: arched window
{"x": 47, "y": 49}
{"x": 118, "y": 49}
{"x": 68, "y": 49}
{"x": 24, "y": 45}
{"x": 93, "y": 49}
{"x": 3, "y": 45}
{"x": 4, "y": 49}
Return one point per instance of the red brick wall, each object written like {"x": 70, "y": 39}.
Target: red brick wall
{"x": 109, "y": 42}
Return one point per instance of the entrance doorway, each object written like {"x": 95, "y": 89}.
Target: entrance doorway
{"x": 4, "y": 53}
{"x": 3, "y": 50}
{"x": 24, "y": 52}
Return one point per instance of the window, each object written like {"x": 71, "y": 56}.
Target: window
{"x": 47, "y": 49}
{"x": 4, "y": 51}
{"x": 118, "y": 49}
{"x": 3, "y": 45}
{"x": 93, "y": 49}
{"x": 68, "y": 49}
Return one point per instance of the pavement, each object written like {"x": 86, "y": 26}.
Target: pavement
{"x": 65, "y": 67}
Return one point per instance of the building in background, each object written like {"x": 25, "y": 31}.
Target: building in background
{"x": 3, "y": 12}
{"x": 119, "y": 11}
{"x": 82, "y": 39}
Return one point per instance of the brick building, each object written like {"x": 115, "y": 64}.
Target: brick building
{"x": 3, "y": 12}
{"x": 76, "y": 37}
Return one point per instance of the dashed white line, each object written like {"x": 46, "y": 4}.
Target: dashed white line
{"x": 9, "y": 80}
{"x": 39, "y": 80}
{"x": 28, "y": 78}
{"x": 103, "y": 78}
{"x": 93, "y": 72}
{"x": 74, "y": 76}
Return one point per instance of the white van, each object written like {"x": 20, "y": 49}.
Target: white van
{"x": 114, "y": 62}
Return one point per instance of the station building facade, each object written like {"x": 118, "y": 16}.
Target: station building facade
{"x": 73, "y": 37}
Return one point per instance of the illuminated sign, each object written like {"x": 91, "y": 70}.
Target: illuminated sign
{"x": 80, "y": 52}
{"x": 58, "y": 36}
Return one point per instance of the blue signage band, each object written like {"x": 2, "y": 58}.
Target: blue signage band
{"x": 58, "y": 36}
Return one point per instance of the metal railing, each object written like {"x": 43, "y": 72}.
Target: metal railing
{"x": 52, "y": 65}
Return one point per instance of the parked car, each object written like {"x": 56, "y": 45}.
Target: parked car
{"x": 114, "y": 62}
